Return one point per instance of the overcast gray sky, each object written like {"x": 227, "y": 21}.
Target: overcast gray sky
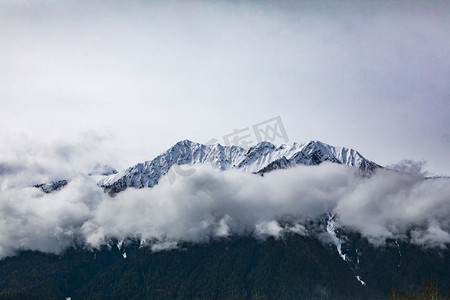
{"x": 373, "y": 76}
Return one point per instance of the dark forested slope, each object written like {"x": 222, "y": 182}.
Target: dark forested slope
{"x": 296, "y": 267}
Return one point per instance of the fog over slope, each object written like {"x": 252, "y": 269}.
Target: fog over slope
{"x": 211, "y": 204}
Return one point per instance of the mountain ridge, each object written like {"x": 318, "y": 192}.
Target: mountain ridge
{"x": 262, "y": 158}
{"x": 259, "y": 159}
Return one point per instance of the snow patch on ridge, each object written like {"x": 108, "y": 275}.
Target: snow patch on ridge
{"x": 262, "y": 158}
{"x": 331, "y": 229}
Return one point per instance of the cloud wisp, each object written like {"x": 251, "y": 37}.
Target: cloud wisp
{"x": 26, "y": 160}
{"x": 213, "y": 204}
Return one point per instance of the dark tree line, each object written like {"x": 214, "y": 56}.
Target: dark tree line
{"x": 237, "y": 268}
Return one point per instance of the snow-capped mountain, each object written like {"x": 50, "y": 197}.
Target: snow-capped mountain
{"x": 262, "y": 158}
{"x": 97, "y": 172}
{"x": 52, "y": 186}
{"x": 103, "y": 170}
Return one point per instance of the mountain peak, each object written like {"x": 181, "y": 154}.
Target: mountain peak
{"x": 261, "y": 158}
{"x": 104, "y": 170}
{"x": 185, "y": 143}
{"x": 264, "y": 144}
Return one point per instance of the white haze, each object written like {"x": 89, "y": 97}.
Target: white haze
{"x": 213, "y": 204}
{"x": 27, "y": 160}
{"x": 370, "y": 75}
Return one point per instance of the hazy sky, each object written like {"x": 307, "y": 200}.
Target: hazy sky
{"x": 142, "y": 75}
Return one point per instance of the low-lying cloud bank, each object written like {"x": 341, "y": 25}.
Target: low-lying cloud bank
{"x": 26, "y": 160}
{"x": 211, "y": 203}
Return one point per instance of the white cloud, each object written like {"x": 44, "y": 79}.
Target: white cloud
{"x": 271, "y": 228}
{"x": 390, "y": 203}
{"x": 26, "y": 160}
{"x": 211, "y": 204}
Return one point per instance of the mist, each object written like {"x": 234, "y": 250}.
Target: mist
{"x": 26, "y": 160}
{"x": 212, "y": 204}
{"x": 88, "y": 82}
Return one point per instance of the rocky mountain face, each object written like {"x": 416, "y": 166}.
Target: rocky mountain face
{"x": 331, "y": 262}
{"x": 241, "y": 267}
{"x": 260, "y": 159}
{"x": 52, "y": 186}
